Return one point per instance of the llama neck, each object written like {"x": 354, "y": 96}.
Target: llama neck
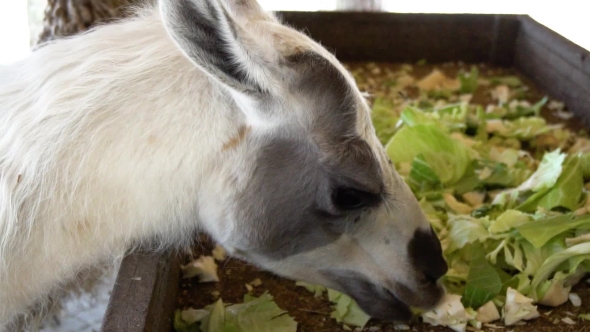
{"x": 108, "y": 138}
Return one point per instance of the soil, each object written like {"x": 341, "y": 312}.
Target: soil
{"x": 313, "y": 314}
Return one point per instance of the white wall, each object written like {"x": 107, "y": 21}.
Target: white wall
{"x": 565, "y": 16}
{"x": 14, "y": 30}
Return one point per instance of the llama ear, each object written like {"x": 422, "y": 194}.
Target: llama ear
{"x": 212, "y": 39}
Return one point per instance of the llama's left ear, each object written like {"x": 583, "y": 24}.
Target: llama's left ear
{"x": 214, "y": 40}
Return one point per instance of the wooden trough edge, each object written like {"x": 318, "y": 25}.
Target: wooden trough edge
{"x": 144, "y": 293}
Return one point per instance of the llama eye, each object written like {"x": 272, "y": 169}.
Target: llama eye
{"x": 350, "y": 199}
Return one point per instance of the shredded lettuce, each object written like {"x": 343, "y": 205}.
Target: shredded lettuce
{"x": 259, "y": 314}
{"x": 522, "y": 128}
{"x": 317, "y": 290}
{"x": 509, "y": 220}
{"x": 422, "y": 176}
{"x": 483, "y": 282}
{"x": 346, "y": 310}
{"x": 581, "y": 252}
{"x": 450, "y": 313}
{"x": 385, "y": 118}
{"x": 510, "y": 81}
{"x": 448, "y": 158}
{"x": 181, "y": 325}
{"x": 546, "y": 174}
{"x": 504, "y": 205}
{"x": 518, "y": 307}
{"x": 538, "y": 233}
{"x": 468, "y": 80}
{"x": 565, "y": 193}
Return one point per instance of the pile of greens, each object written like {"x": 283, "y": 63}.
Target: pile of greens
{"x": 510, "y": 211}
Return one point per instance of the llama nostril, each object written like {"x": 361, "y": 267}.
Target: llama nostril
{"x": 426, "y": 255}
{"x": 435, "y": 272}
{"x": 430, "y": 279}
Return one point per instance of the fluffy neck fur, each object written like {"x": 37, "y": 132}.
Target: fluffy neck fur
{"x": 69, "y": 190}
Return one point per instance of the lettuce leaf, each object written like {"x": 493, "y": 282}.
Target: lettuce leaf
{"x": 483, "y": 282}
{"x": 546, "y": 174}
{"x": 580, "y": 251}
{"x": 384, "y": 118}
{"x": 508, "y": 220}
{"x": 466, "y": 230}
{"x": 422, "y": 176}
{"x": 259, "y": 314}
{"x": 565, "y": 193}
{"x": 447, "y": 157}
{"x": 449, "y": 117}
{"x": 510, "y": 81}
{"x": 522, "y": 128}
{"x": 585, "y": 165}
{"x": 517, "y": 110}
{"x": 539, "y": 232}
{"x": 180, "y": 325}
{"x": 347, "y": 310}
{"x": 317, "y": 290}
{"x": 468, "y": 80}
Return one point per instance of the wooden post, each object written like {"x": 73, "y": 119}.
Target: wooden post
{"x": 359, "y": 5}
{"x": 65, "y": 18}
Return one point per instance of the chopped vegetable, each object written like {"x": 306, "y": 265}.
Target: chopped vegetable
{"x": 575, "y": 299}
{"x": 204, "y": 268}
{"x": 568, "y": 321}
{"x": 450, "y": 312}
{"x": 256, "y": 282}
{"x": 483, "y": 282}
{"x": 511, "y": 81}
{"x": 346, "y": 310}
{"x": 508, "y": 204}
{"x": 317, "y": 290}
{"x": 401, "y": 327}
{"x": 488, "y": 313}
{"x": 437, "y": 80}
{"x": 260, "y": 314}
{"x": 180, "y": 325}
{"x": 468, "y": 81}
{"x": 546, "y": 174}
{"x": 518, "y": 307}
{"x": 448, "y": 158}
{"x": 219, "y": 253}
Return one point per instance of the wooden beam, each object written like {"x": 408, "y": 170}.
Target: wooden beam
{"x": 144, "y": 294}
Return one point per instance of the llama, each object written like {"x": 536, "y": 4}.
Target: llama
{"x": 203, "y": 116}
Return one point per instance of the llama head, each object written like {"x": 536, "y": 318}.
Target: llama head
{"x": 310, "y": 193}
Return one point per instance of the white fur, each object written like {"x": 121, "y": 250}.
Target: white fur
{"x": 64, "y": 112}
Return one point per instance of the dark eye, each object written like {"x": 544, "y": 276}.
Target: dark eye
{"x": 350, "y": 199}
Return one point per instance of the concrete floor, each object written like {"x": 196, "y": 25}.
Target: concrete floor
{"x": 82, "y": 314}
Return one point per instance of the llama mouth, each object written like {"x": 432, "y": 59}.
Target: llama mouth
{"x": 376, "y": 301}
{"x": 385, "y": 307}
